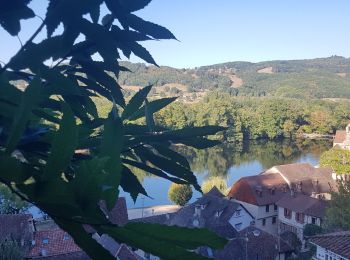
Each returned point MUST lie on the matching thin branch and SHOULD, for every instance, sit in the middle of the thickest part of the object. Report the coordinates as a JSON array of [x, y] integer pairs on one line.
[[25, 45]]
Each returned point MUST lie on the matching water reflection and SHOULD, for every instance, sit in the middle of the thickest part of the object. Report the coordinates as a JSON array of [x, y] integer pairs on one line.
[[233, 161]]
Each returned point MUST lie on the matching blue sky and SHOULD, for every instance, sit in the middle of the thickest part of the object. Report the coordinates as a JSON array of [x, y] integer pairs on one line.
[[229, 30]]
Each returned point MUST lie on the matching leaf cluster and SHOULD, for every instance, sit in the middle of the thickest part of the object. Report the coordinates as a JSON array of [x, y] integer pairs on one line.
[[58, 153]]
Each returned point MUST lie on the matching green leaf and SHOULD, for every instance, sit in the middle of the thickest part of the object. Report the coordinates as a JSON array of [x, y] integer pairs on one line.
[[166, 242], [135, 5], [131, 184], [153, 106], [111, 147], [63, 145], [168, 166], [142, 53], [11, 12], [153, 171], [36, 53], [95, 14], [172, 155], [30, 99], [135, 102], [12, 170], [148, 28], [84, 240], [191, 238]]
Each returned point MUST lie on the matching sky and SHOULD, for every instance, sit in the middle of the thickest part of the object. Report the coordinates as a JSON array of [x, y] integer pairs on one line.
[[211, 32]]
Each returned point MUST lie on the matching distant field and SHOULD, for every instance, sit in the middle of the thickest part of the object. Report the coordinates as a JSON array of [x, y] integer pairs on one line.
[[314, 78]]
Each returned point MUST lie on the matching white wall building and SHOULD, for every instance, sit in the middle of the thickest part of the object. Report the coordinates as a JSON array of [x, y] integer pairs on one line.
[[332, 246]]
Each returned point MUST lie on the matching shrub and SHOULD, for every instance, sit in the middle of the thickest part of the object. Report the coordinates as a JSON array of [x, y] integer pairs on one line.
[[180, 194], [311, 230]]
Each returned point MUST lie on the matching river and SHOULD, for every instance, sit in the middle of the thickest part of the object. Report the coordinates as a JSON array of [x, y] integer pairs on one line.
[[231, 162]]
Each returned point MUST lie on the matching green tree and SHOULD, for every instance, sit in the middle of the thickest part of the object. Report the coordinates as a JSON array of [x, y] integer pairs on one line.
[[70, 158], [215, 181], [338, 159], [10, 203], [338, 212], [9, 250], [312, 230], [180, 194]]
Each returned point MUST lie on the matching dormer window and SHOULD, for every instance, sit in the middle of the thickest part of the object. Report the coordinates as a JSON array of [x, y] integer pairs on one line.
[[66, 237], [238, 212]]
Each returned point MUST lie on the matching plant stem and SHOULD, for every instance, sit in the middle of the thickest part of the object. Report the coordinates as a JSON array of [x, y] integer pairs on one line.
[[25, 45]]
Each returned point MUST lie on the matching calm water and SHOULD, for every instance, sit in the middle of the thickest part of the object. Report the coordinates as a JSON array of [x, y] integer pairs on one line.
[[233, 161]]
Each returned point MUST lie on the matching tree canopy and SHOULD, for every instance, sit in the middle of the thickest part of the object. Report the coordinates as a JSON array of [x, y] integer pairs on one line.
[[59, 153], [338, 159]]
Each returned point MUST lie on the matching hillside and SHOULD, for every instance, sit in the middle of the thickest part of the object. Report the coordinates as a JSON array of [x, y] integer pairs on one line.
[[314, 78]]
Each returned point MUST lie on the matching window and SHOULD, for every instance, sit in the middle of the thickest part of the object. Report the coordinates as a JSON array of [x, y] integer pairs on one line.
[[275, 207], [274, 219], [66, 237], [287, 213], [263, 222], [267, 208], [313, 221], [299, 217], [238, 226], [238, 212]]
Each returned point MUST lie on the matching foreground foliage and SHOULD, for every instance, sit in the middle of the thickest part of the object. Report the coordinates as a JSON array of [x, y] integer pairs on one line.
[[10, 203], [57, 152], [338, 213], [338, 159]]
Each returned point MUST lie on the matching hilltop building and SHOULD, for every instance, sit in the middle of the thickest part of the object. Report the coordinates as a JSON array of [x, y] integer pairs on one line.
[[342, 138]]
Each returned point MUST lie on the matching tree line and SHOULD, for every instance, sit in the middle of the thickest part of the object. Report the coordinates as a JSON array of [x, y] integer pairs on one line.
[[258, 118]]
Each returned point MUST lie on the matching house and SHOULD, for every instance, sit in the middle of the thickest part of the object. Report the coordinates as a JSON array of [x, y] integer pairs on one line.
[[254, 243], [19, 227], [332, 246], [259, 194], [54, 244], [307, 179], [50, 242], [297, 210], [212, 211], [342, 138]]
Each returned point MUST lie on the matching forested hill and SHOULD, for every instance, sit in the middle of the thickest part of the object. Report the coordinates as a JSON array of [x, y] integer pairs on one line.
[[313, 78]]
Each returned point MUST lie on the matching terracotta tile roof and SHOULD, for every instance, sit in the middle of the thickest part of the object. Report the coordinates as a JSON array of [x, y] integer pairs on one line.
[[80, 255], [118, 215], [259, 190], [339, 137], [337, 242], [304, 204], [52, 243], [125, 253], [261, 244]]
